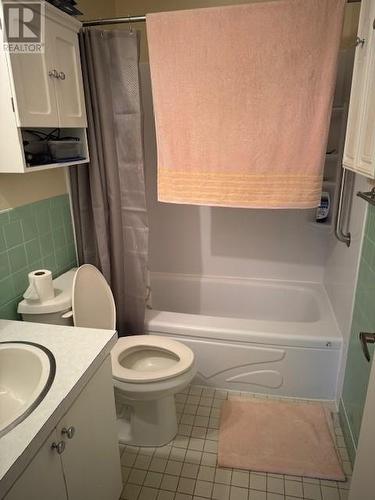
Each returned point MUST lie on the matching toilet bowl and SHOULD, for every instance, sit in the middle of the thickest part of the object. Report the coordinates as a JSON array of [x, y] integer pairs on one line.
[[148, 370]]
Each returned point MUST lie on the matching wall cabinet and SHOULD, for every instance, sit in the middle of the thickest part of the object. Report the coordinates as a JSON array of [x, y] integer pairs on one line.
[[80, 458], [359, 152], [48, 89], [42, 91]]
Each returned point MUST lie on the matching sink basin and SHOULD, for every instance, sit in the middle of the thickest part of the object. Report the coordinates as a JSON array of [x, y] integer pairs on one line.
[[26, 373]]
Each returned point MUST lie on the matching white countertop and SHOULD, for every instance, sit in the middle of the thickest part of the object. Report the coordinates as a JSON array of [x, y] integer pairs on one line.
[[78, 353]]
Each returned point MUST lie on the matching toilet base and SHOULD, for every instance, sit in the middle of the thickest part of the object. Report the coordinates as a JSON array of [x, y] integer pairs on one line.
[[147, 423]]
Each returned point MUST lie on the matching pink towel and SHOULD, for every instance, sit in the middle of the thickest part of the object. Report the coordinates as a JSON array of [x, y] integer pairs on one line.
[[242, 99]]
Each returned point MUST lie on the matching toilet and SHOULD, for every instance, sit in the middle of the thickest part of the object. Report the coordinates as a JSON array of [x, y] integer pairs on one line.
[[147, 370]]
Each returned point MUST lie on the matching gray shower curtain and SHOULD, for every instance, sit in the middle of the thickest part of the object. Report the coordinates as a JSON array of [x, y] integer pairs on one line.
[[108, 194]]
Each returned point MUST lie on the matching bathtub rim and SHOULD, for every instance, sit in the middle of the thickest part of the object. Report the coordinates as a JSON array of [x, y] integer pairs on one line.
[[323, 333], [243, 330]]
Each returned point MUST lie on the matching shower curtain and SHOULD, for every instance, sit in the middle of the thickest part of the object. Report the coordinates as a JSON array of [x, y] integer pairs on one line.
[[108, 194]]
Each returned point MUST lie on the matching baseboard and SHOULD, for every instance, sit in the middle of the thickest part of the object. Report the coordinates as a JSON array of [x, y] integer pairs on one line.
[[347, 431]]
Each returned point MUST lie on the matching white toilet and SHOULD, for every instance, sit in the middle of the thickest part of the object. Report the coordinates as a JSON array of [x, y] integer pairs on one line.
[[148, 370]]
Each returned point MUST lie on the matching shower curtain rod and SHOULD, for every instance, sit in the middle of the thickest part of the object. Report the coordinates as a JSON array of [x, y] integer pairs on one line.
[[136, 19], [114, 20]]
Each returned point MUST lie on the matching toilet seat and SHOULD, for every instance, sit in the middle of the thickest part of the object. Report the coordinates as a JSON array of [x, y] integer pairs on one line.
[[92, 300], [176, 358]]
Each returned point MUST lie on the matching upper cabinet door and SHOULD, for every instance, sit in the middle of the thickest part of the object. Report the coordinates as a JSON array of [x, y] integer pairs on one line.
[[34, 86], [69, 86], [359, 152], [366, 147]]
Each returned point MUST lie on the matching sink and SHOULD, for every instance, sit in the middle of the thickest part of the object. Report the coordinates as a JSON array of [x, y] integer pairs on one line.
[[26, 373]]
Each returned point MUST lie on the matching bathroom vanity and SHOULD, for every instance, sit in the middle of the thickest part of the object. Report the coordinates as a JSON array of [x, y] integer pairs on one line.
[[67, 447]]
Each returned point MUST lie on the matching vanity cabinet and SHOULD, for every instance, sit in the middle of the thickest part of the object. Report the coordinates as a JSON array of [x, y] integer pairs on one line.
[[80, 458], [359, 151], [42, 91]]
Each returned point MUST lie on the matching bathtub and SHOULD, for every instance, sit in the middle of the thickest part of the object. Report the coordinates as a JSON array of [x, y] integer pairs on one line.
[[272, 337]]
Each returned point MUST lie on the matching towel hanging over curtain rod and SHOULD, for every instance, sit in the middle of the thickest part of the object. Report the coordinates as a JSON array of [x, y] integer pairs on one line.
[[135, 19]]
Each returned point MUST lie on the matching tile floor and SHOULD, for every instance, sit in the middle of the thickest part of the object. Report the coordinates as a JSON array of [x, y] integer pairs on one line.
[[186, 469]]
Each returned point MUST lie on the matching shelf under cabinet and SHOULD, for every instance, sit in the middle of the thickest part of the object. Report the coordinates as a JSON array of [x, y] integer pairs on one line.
[[55, 165], [29, 138]]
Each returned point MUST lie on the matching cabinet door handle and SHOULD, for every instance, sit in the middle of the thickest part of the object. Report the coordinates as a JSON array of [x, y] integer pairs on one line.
[[68, 432], [61, 75], [59, 447], [360, 41]]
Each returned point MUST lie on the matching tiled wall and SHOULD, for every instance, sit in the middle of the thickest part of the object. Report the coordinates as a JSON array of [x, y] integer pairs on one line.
[[357, 368], [38, 235]]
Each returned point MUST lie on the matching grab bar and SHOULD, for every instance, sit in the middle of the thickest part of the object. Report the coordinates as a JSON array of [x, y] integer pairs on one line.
[[339, 233], [344, 237]]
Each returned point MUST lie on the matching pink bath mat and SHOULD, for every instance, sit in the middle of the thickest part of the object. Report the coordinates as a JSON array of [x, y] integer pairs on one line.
[[278, 437]]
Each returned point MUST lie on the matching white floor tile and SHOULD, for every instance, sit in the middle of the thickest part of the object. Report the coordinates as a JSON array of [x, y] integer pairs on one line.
[[165, 495], [330, 493], [206, 473], [153, 479], [130, 492], [142, 462], [158, 464], [148, 493], [258, 482], [223, 476], [193, 457], [137, 476], [209, 459], [275, 496], [186, 485], [220, 491], [169, 483], [293, 488], [203, 489], [275, 485], [173, 467], [190, 470], [237, 493], [183, 496], [257, 495], [240, 478], [311, 491]]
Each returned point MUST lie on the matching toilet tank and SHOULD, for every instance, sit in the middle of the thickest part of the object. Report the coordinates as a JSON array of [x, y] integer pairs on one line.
[[57, 311]]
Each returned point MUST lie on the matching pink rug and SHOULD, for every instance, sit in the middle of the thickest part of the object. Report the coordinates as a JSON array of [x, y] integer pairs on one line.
[[278, 437]]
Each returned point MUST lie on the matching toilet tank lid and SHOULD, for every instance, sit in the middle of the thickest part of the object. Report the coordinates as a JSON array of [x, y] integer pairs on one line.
[[61, 302]]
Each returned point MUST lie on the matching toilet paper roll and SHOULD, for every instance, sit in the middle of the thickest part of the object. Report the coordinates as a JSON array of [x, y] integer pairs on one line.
[[40, 286]]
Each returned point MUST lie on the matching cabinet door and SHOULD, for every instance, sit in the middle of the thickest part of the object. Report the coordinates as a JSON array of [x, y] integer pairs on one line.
[[34, 88], [366, 148], [350, 157], [69, 86], [91, 460], [43, 478]]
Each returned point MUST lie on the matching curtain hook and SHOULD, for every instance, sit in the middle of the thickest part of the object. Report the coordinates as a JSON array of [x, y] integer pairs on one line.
[[130, 25]]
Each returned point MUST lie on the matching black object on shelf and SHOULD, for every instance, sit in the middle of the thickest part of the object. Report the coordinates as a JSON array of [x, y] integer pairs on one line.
[[67, 6]]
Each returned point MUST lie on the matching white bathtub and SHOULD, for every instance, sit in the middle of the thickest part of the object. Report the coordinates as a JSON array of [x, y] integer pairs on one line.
[[270, 337]]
